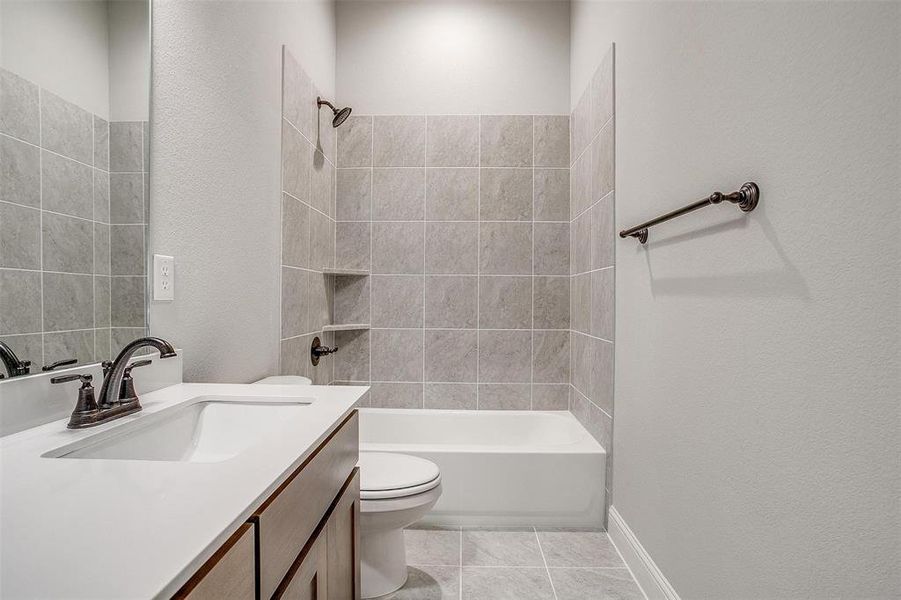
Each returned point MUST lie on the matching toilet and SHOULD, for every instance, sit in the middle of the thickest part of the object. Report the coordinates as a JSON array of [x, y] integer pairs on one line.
[[396, 490]]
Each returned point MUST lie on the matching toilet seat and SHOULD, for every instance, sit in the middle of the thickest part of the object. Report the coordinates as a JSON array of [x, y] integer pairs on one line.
[[386, 475]]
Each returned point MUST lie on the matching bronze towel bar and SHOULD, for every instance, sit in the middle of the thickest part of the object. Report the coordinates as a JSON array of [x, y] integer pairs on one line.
[[746, 198]]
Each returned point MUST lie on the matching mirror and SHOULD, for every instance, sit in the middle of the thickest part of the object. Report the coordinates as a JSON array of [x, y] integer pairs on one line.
[[74, 125]]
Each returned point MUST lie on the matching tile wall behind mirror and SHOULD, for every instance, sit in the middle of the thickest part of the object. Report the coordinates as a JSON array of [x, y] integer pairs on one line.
[[74, 132]]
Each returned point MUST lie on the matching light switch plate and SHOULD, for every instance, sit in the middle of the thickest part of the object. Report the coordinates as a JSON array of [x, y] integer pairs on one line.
[[163, 278]]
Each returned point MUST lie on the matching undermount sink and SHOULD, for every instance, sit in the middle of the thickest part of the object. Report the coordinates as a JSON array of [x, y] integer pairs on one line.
[[206, 429]]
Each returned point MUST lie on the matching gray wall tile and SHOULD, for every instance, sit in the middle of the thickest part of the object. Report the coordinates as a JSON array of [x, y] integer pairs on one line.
[[580, 302], [101, 196], [580, 366], [397, 248], [127, 301], [101, 249], [551, 248], [295, 232], [505, 302], [127, 256], [298, 100], [450, 355], [322, 241], [397, 300], [580, 252], [551, 141], [602, 167], [600, 377], [126, 147], [398, 194], [322, 294], [551, 198], [603, 234], [20, 237], [452, 194], [451, 301], [27, 347], [580, 125], [20, 108], [602, 94], [550, 356], [67, 186], [66, 129], [68, 302], [505, 356], [322, 183], [601, 321], [452, 248], [506, 141], [20, 302], [352, 362], [453, 141], [126, 198], [102, 339], [395, 395], [580, 185], [550, 396], [294, 356], [295, 302], [400, 358], [354, 194], [352, 245], [506, 195], [20, 172], [550, 301], [505, 396], [451, 396], [355, 142], [352, 299], [119, 336], [506, 248], [69, 344], [102, 302], [398, 141], [101, 143], [68, 244], [296, 163]]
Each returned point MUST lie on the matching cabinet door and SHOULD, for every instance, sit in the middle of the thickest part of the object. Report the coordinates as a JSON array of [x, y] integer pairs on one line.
[[343, 531], [309, 580], [229, 574]]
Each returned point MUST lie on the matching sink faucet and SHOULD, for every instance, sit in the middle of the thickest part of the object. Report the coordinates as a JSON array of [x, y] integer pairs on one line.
[[14, 366], [112, 383]]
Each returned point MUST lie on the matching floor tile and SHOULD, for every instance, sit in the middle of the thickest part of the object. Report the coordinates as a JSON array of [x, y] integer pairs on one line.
[[578, 549], [501, 548], [432, 547], [595, 584], [429, 583], [506, 583]]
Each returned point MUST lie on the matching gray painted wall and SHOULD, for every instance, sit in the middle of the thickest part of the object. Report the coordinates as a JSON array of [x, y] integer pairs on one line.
[[757, 448], [215, 181]]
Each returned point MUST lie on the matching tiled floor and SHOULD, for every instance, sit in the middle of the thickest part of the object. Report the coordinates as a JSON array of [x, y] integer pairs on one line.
[[514, 564]]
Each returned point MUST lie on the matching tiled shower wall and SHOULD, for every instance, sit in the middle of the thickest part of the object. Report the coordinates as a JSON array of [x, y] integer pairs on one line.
[[72, 220], [592, 234], [464, 223], [308, 223]]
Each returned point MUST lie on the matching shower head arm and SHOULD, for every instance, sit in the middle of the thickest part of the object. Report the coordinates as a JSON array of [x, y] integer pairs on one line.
[[320, 102]]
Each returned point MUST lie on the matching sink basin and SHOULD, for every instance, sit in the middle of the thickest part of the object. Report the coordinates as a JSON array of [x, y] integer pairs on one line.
[[206, 429]]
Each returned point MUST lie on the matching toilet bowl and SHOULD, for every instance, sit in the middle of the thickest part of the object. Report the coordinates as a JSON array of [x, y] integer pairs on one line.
[[396, 490], [285, 380]]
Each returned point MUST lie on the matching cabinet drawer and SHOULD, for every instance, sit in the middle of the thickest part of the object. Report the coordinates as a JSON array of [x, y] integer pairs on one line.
[[290, 516], [229, 574]]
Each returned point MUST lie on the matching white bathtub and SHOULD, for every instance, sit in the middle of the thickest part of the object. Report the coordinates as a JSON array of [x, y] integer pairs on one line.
[[499, 467]]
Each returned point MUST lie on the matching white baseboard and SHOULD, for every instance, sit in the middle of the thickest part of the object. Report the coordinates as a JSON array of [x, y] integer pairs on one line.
[[652, 581]]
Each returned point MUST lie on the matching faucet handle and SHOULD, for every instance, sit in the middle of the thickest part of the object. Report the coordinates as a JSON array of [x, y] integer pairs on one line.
[[139, 363], [86, 379], [59, 363], [127, 387]]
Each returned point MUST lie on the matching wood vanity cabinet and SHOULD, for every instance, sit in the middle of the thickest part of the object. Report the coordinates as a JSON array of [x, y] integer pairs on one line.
[[304, 540]]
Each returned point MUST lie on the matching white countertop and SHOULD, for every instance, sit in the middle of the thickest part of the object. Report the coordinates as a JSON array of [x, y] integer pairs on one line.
[[77, 528]]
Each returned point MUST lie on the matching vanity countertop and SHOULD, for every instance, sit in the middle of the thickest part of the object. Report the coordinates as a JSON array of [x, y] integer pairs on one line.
[[87, 528]]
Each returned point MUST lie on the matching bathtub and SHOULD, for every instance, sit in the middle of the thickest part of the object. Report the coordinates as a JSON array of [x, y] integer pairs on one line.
[[507, 468]]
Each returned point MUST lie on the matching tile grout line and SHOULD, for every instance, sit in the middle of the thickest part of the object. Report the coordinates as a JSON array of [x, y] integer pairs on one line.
[[544, 560], [41, 203]]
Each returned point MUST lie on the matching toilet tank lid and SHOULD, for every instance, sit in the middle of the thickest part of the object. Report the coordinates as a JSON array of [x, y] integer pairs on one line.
[[285, 380], [381, 471]]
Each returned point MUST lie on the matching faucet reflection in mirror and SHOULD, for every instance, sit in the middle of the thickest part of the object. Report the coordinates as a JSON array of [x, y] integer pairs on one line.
[[117, 394]]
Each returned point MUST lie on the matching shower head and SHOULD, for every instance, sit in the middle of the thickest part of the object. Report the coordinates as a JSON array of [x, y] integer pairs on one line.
[[340, 115]]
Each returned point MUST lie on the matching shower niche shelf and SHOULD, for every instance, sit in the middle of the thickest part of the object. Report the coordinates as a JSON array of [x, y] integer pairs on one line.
[[346, 327], [346, 272]]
